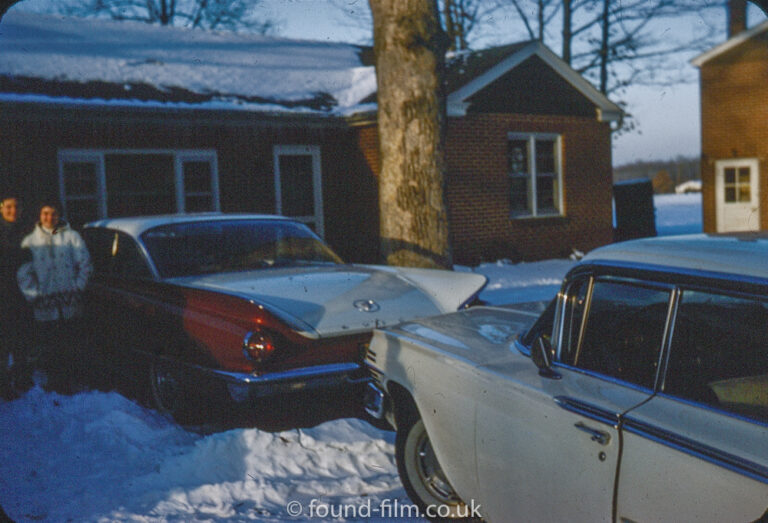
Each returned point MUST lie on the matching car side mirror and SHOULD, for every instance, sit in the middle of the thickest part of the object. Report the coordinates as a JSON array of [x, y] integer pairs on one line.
[[541, 354]]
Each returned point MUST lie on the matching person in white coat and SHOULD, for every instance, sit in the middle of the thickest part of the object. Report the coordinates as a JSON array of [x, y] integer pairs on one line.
[[53, 281]]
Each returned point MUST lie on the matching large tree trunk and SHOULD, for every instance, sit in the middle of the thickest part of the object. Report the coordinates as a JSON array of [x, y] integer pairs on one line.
[[409, 46]]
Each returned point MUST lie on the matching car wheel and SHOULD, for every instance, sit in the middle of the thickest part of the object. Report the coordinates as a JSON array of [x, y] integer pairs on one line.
[[170, 393], [422, 475]]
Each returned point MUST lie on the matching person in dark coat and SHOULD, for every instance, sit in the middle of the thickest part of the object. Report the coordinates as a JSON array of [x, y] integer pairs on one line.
[[15, 316]]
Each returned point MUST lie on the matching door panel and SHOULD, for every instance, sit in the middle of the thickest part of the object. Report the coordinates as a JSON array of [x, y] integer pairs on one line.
[[689, 461], [548, 448], [737, 195]]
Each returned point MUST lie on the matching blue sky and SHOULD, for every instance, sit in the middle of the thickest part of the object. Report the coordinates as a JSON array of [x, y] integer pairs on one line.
[[667, 118]]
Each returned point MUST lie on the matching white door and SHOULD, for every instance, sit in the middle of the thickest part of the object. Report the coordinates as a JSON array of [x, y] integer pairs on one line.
[[737, 196], [554, 439], [298, 184]]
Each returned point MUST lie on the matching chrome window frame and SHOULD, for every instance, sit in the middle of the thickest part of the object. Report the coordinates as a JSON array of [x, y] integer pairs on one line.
[[558, 334]]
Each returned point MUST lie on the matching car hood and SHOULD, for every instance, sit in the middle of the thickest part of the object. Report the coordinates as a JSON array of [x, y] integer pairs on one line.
[[322, 301], [478, 336]]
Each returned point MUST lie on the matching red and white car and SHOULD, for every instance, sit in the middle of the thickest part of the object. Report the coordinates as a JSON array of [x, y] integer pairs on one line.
[[235, 307]]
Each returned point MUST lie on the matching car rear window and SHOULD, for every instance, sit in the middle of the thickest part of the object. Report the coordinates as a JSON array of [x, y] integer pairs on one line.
[[206, 247]]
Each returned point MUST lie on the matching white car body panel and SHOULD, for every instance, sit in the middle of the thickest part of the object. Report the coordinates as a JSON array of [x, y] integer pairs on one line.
[[446, 379], [324, 297], [679, 477]]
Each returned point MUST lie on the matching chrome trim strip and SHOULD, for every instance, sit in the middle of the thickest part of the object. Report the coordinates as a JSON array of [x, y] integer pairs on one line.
[[304, 373], [588, 410], [710, 454], [666, 337], [604, 377]]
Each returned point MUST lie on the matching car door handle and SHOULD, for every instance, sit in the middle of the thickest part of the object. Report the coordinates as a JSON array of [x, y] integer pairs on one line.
[[601, 437]]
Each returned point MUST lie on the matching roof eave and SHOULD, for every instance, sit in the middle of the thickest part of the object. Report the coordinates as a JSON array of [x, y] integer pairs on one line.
[[729, 44], [607, 111]]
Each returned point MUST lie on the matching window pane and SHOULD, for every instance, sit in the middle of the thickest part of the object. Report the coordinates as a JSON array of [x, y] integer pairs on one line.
[[80, 179], [623, 333], [517, 156], [730, 194], [140, 184], [99, 243], [296, 185], [208, 247], [730, 175], [197, 177], [745, 193], [574, 313], [546, 194], [128, 261], [545, 156], [519, 195], [744, 175], [720, 353]]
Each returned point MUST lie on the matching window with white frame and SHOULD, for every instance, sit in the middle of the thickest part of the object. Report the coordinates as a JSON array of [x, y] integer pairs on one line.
[[97, 184], [535, 174]]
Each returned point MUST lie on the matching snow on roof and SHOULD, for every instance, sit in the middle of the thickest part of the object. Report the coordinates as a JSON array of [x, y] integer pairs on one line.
[[194, 65]]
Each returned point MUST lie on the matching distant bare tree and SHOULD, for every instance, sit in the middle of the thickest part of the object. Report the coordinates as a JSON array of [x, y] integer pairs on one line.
[[206, 14], [461, 18], [535, 15]]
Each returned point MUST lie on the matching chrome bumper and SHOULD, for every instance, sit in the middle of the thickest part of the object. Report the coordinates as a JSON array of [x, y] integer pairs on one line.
[[243, 386], [374, 400]]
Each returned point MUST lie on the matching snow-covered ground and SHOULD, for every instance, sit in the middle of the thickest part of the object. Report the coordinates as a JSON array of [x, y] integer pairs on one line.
[[678, 214], [98, 456]]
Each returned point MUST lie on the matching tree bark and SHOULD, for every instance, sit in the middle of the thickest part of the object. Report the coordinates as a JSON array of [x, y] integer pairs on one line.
[[409, 46]]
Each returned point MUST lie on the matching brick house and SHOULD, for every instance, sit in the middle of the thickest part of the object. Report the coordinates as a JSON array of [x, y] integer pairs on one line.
[[528, 140], [734, 128]]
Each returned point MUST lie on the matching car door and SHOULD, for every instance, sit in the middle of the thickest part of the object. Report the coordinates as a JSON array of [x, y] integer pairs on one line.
[[548, 447], [698, 451]]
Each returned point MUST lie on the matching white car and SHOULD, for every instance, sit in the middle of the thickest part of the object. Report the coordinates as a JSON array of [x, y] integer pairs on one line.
[[640, 394]]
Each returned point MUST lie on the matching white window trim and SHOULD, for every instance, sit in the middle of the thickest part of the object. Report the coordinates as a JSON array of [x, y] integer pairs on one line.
[[532, 172], [96, 156], [317, 182]]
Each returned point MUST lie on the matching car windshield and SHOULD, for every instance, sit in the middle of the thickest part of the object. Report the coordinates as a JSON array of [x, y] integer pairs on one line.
[[206, 247]]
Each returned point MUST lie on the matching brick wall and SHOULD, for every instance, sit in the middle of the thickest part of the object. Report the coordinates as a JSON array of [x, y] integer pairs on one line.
[[734, 118], [477, 187]]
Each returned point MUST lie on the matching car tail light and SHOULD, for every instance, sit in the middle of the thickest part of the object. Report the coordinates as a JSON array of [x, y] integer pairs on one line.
[[258, 346]]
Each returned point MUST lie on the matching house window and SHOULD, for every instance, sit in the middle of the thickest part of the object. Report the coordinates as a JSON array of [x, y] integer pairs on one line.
[[112, 183], [298, 184], [535, 175]]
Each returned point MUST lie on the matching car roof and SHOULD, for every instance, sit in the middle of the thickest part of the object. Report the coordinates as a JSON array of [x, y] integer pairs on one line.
[[744, 254], [136, 225]]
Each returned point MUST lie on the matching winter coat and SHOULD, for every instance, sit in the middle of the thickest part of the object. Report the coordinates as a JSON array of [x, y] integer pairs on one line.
[[10, 260], [53, 282]]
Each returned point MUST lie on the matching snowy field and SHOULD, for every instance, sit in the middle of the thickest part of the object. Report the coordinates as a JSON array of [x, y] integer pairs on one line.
[[100, 457]]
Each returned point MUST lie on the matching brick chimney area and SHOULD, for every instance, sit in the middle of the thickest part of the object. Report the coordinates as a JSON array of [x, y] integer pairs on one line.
[[737, 17]]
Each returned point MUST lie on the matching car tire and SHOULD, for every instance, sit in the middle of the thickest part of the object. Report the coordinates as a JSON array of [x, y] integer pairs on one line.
[[171, 394], [422, 475]]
